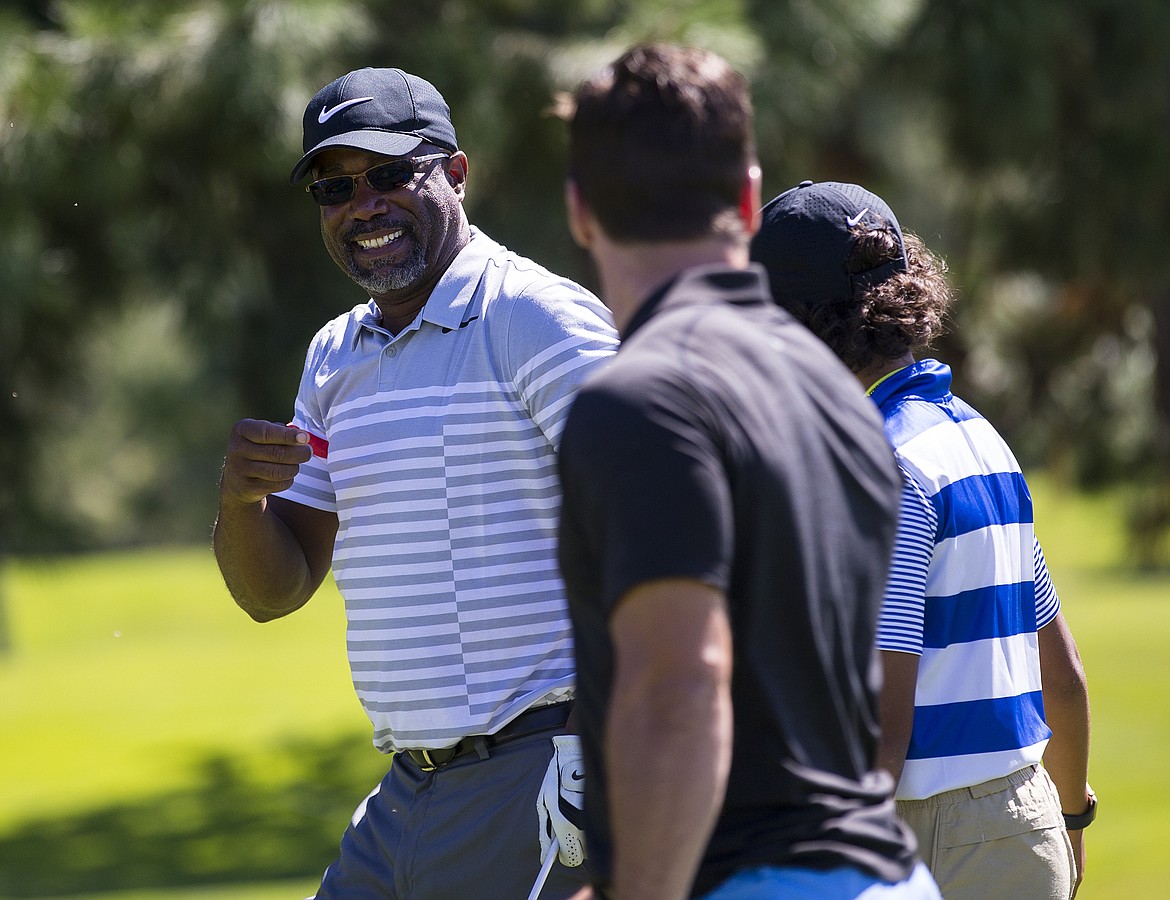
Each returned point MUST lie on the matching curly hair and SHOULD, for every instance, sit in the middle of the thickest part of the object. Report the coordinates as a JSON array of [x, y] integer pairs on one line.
[[906, 312]]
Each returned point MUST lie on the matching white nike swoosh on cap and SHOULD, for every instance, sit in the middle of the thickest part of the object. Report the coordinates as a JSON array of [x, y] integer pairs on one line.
[[851, 221], [326, 114]]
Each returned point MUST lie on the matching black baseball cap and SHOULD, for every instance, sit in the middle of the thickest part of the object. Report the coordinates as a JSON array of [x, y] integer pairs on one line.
[[384, 111], [806, 235]]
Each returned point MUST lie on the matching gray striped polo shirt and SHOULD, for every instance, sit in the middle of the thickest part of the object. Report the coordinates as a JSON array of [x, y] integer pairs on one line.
[[441, 469]]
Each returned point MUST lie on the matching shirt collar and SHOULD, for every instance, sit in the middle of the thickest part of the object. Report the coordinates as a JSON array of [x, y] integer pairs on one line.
[[449, 303], [702, 285], [927, 379], [873, 387]]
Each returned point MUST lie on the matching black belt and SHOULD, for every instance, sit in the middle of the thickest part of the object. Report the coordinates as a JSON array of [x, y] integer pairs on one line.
[[528, 722]]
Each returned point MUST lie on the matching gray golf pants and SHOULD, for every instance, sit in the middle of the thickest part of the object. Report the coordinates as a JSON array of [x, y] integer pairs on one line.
[[468, 829]]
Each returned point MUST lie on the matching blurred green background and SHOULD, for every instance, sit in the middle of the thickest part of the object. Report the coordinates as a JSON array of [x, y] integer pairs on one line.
[[160, 279]]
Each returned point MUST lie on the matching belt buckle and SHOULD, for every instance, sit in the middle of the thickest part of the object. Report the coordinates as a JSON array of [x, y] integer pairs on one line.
[[430, 764]]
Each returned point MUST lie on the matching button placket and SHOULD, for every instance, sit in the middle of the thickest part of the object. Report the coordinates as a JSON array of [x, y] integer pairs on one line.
[[387, 366]]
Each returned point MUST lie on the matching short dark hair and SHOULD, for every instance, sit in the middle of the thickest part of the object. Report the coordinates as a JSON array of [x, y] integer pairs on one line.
[[659, 142], [905, 312]]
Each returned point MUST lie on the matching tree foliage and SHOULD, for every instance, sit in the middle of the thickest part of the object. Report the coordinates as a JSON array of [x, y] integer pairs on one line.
[[1054, 113], [161, 278]]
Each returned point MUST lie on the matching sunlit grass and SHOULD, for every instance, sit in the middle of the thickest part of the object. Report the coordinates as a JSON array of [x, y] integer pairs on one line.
[[126, 670], [123, 669], [1121, 621]]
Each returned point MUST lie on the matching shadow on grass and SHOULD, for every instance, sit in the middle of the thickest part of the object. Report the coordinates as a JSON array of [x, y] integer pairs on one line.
[[233, 825]]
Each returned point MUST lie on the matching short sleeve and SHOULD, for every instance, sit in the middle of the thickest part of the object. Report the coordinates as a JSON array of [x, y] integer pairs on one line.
[[1047, 602], [903, 614], [644, 489], [312, 486], [554, 337]]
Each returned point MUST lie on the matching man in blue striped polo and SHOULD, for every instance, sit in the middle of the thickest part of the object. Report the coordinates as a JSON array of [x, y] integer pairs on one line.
[[983, 681], [420, 464]]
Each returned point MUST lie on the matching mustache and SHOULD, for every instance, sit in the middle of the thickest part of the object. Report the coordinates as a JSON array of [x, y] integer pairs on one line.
[[379, 223]]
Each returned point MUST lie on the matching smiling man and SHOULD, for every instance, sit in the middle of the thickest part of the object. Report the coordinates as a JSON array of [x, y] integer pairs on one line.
[[420, 465]]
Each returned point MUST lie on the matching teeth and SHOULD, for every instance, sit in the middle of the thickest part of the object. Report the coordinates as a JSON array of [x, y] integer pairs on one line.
[[375, 243]]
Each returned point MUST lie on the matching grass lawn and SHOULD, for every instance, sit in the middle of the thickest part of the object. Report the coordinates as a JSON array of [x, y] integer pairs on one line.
[[150, 731], [126, 669], [156, 743], [1121, 621]]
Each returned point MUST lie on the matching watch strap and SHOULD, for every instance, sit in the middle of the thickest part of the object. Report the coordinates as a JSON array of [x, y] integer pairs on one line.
[[1085, 819]]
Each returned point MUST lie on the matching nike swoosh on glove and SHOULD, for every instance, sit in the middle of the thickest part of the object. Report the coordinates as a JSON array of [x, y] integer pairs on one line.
[[561, 800]]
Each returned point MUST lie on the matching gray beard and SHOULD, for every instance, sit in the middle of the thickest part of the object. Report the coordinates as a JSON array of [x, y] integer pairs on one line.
[[393, 277]]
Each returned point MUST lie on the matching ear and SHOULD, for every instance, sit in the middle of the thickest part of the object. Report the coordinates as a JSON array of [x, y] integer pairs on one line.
[[580, 220], [749, 200], [456, 169]]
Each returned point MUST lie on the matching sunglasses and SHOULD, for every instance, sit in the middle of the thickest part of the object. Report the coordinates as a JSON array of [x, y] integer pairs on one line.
[[384, 177]]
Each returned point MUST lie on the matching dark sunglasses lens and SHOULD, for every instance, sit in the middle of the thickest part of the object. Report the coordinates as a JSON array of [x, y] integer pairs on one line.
[[331, 191], [392, 175]]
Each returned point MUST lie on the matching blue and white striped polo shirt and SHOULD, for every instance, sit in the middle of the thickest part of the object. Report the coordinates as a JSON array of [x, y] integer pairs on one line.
[[441, 468], [968, 589]]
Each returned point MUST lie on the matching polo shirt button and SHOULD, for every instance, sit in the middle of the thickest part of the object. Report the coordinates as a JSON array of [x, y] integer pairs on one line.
[[391, 351]]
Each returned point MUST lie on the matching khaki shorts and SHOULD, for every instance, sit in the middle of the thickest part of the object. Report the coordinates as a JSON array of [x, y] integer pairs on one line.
[[1002, 838]]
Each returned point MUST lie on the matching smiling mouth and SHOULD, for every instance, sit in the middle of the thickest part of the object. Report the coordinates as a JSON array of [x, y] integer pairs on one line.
[[379, 242]]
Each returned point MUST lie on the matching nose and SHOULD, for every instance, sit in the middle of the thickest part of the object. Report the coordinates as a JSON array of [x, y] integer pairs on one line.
[[367, 201]]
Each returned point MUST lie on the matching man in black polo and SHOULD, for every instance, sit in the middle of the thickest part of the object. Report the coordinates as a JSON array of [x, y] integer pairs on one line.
[[726, 527]]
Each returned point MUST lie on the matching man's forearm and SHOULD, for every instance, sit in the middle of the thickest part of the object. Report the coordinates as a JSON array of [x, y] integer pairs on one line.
[[668, 734], [1066, 708], [261, 561], [1067, 755], [668, 758], [899, 683]]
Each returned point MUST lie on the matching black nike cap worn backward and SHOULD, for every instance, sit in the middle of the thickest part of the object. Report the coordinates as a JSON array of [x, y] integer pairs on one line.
[[385, 111], [806, 236]]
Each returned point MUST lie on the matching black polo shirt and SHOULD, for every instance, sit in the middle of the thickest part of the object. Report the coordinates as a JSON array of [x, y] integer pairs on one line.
[[727, 444]]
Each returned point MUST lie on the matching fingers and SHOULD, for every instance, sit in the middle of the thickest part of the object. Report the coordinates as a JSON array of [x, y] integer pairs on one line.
[[572, 849], [546, 800], [1077, 838], [262, 458]]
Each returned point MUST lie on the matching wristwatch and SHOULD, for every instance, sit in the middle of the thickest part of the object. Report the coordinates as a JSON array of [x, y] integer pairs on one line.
[[1085, 819]]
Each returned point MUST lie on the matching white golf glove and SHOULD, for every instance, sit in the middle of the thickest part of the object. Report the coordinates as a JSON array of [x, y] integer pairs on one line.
[[561, 799]]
